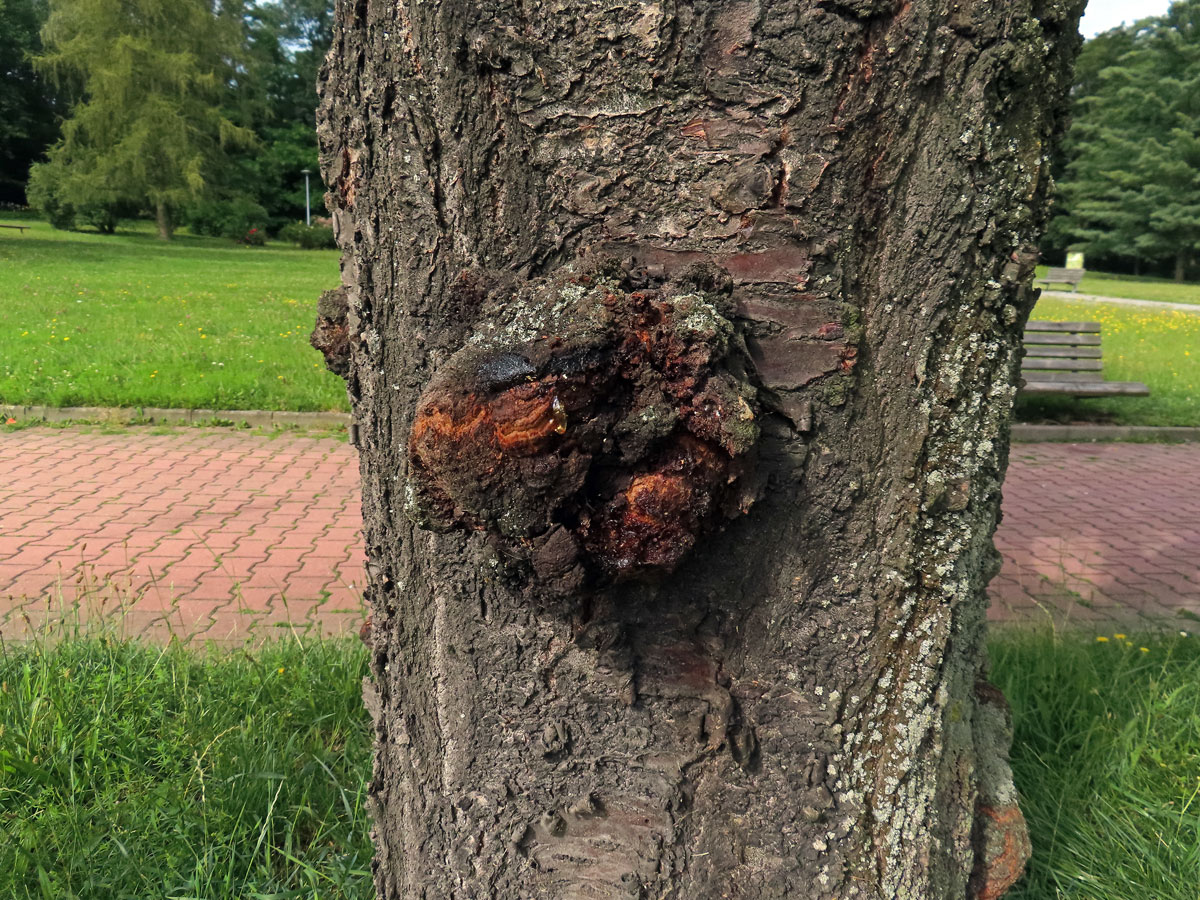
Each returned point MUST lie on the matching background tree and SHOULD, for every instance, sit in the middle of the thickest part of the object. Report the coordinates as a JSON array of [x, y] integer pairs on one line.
[[624, 280], [287, 42], [29, 106], [1131, 188], [149, 130]]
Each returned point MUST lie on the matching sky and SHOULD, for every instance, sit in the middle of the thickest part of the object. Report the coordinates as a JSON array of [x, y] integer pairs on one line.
[[1102, 15]]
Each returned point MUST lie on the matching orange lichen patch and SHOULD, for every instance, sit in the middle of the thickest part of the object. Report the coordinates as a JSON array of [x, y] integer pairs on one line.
[[849, 356], [654, 522], [437, 428], [527, 417], [1006, 850], [519, 421]]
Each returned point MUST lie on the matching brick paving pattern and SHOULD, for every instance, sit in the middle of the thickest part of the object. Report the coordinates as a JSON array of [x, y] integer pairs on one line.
[[215, 534], [1101, 534], [227, 536]]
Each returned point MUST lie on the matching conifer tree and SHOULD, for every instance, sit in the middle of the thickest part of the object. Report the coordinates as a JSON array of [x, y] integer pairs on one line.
[[150, 130], [1132, 185]]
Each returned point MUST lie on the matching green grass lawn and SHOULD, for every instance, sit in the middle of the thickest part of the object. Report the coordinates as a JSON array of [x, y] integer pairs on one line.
[[201, 323], [132, 771], [127, 320], [129, 771], [1106, 756], [1158, 347], [1132, 287]]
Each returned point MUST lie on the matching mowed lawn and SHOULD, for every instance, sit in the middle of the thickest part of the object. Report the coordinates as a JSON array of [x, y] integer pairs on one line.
[[128, 320], [1160, 348], [201, 323], [1131, 287]]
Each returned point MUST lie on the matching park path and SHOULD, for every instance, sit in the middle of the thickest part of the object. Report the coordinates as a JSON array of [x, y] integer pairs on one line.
[[1096, 534], [224, 535], [205, 532]]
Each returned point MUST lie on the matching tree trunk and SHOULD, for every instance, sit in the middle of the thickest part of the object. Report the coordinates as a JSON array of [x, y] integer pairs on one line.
[[162, 218], [1181, 264], [555, 399]]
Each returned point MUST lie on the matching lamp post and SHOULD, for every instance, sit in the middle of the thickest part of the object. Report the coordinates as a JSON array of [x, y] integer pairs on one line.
[[307, 204]]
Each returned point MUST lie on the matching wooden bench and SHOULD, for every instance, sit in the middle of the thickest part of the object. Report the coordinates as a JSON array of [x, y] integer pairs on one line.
[[18, 227], [1064, 358], [1063, 276]]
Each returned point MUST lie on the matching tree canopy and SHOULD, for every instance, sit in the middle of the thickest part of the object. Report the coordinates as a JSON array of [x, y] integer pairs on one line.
[[194, 110], [150, 130], [1131, 188]]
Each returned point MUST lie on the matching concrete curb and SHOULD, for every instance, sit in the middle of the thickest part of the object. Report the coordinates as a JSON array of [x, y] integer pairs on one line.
[[150, 415], [1031, 434]]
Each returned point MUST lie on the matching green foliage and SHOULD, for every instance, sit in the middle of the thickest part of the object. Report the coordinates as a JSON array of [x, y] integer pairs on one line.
[[227, 218], [127, 320], [309, 237], [1131, 189], [181, 106], [288, 42], [1106, 756], [273, 174], [150, 129], [132, 771], [253, 237], [29, 106]]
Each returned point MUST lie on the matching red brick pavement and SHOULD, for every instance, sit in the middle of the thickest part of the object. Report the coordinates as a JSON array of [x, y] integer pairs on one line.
[[225, 535], [207, 533], [1101, 534]]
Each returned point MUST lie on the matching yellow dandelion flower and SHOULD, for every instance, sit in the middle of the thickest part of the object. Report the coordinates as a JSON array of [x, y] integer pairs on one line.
[[1101, 639]]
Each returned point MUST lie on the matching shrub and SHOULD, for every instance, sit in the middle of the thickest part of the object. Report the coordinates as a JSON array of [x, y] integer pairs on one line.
[[69, 203], [104, 217], [255, 237], [309, 237], [234, 218]]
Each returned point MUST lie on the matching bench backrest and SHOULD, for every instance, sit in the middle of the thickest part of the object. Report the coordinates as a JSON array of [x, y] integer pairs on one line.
[[1064, 276], [1063, 351]]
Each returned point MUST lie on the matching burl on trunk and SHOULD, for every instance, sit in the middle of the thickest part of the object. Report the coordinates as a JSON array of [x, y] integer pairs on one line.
[[682, 340]]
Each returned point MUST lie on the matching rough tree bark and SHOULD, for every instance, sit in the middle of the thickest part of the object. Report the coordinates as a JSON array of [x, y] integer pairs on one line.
[[682, 340]]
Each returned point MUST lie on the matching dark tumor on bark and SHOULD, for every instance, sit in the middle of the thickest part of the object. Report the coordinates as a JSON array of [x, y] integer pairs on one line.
[[596, 428], [330, 335]]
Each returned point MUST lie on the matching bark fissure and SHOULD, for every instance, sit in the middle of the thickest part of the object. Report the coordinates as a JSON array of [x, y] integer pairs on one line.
[[795, 709]]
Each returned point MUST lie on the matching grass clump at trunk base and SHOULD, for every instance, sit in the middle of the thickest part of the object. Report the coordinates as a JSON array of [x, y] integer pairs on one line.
[[1106, 755], [128, 770]]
